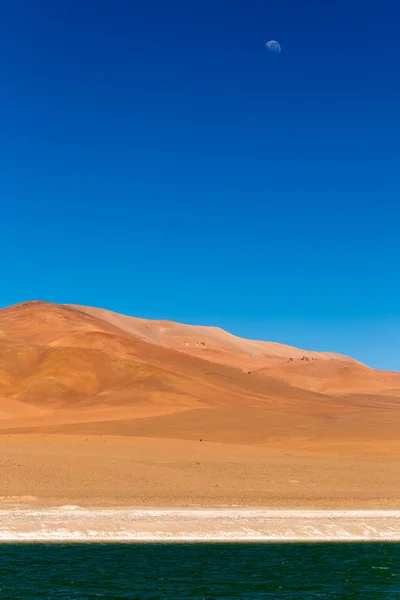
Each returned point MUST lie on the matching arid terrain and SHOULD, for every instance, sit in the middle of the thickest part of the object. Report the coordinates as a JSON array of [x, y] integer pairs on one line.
[[101, 409]]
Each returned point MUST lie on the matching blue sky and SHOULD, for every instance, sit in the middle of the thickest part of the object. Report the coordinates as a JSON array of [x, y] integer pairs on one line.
[[158, 161]]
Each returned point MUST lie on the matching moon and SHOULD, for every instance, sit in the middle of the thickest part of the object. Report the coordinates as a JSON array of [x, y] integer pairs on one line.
[[273, 46]]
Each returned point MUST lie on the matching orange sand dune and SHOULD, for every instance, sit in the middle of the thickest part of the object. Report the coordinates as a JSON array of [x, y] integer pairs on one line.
[[70, 372]]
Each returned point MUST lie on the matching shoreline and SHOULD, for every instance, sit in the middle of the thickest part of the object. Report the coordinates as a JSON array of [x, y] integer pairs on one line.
[[68, 524]]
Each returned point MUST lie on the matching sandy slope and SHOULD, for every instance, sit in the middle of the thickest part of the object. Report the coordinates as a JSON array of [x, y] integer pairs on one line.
[[334, 377], [76, 373], [211, 343]]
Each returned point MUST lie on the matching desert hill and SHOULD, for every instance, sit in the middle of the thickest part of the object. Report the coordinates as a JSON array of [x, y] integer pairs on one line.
[[99, 408], [79, 369]]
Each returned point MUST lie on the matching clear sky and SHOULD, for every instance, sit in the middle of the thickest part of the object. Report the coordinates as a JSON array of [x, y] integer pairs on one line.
[[157, 160]]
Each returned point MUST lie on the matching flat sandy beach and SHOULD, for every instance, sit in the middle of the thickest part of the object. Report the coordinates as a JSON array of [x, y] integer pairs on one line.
[[65, 488], [75, 524]]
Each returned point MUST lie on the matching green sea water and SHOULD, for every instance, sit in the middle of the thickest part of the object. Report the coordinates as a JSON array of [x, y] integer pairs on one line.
[[200, 571]]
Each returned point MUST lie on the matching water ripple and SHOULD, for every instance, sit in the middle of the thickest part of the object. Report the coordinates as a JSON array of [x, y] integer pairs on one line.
[[200, 571]]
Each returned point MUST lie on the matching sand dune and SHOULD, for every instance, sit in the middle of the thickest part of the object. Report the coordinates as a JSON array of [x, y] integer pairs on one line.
[[72, 372]]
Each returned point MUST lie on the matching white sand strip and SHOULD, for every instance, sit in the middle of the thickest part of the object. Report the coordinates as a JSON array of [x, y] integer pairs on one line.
[[74, 524]]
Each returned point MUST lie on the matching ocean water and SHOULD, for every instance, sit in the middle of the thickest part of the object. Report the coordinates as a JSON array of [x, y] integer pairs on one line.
[[200, 571]]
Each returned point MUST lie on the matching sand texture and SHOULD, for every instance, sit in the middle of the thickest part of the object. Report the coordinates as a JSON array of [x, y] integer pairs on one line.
[[51, 470]]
